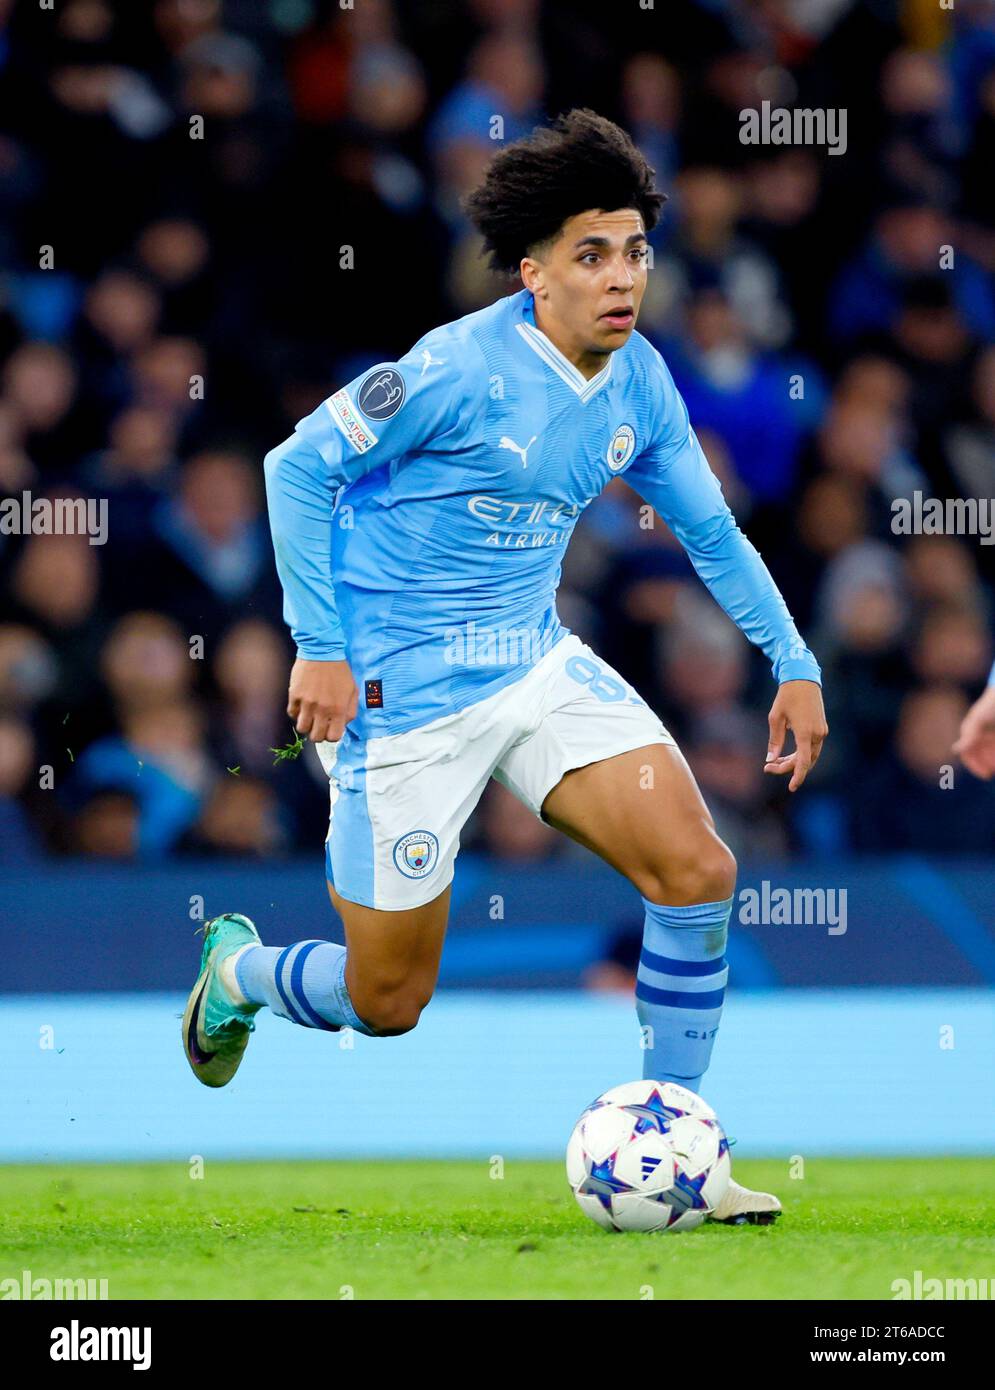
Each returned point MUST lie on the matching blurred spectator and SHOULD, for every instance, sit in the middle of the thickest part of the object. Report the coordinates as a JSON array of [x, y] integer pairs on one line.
[[903, 804], [651, 103], [726, 752], [708, 252], [498, 102], [785, 220], [39, 386], [106, 826], [905, 248], [940, 569], [146, 664], [250, 670], [20, 840], [249, 720], [969, 444], [209, 550], [28, 668], [239, 819], [952, 645], [175, 251], [134, 470], [55, 587], [704, 661], [831, 518], [730, 388], [920, 146], [863, 621], [161, 761], [120, 314]]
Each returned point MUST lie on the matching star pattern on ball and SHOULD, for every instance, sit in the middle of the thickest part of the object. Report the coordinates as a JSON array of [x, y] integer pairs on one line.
[[598, 1104], [685, 1195], [653, 1114], [603, 1182]]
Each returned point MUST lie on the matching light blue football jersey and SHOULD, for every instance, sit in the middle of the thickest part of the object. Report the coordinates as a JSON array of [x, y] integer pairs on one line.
[[421, 513]]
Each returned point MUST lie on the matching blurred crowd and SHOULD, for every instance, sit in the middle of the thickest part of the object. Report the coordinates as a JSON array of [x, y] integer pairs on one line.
[[212, 214]]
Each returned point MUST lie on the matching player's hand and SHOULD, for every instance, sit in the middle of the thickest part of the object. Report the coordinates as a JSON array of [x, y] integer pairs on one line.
[[322, 699], [798, 707], [976, 745]]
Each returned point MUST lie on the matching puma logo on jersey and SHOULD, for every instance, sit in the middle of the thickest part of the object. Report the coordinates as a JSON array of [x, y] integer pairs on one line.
[[506, 443], [427, 360]]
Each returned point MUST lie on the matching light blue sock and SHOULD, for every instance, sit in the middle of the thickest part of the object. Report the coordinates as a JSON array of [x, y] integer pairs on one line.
[[304, 982], [680, 987]]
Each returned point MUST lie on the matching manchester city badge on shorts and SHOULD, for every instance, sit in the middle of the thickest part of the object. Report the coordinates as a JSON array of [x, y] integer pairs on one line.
[[416, 854], [621, 448]]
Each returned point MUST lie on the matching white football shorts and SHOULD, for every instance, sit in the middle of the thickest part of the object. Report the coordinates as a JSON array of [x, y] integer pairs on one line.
[[400, 801]]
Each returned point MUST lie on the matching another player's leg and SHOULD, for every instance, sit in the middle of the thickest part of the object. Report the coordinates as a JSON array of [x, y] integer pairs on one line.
[[378, 983], [643, 813]]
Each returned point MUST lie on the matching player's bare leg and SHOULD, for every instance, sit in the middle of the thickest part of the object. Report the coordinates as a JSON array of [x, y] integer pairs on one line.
[[642, 812], [392, 960]]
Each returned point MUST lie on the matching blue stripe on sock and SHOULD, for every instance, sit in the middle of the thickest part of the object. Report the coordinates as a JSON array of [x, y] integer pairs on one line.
[[278, 972], [692, 987], [667, 965], [679, 999], [297, 985]]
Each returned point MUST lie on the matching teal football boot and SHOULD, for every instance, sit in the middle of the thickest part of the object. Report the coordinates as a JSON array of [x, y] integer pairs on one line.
[[216, 1031]]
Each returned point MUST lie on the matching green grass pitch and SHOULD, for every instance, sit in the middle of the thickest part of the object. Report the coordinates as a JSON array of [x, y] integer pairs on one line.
[[410, 1230]]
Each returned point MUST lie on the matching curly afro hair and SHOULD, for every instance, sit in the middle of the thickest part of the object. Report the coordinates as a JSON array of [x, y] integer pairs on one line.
[[581, 161]]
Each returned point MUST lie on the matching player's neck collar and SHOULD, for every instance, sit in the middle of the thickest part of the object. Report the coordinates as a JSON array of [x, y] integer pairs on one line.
[[546, 349]]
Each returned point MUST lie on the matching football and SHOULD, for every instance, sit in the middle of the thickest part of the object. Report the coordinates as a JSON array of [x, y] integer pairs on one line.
[[648, 1156]]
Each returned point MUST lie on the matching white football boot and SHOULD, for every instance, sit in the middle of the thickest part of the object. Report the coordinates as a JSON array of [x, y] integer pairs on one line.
[[741, 1207]]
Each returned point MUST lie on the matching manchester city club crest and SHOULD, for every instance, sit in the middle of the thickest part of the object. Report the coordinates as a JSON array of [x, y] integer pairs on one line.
[[621, 448], [416, 854]]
